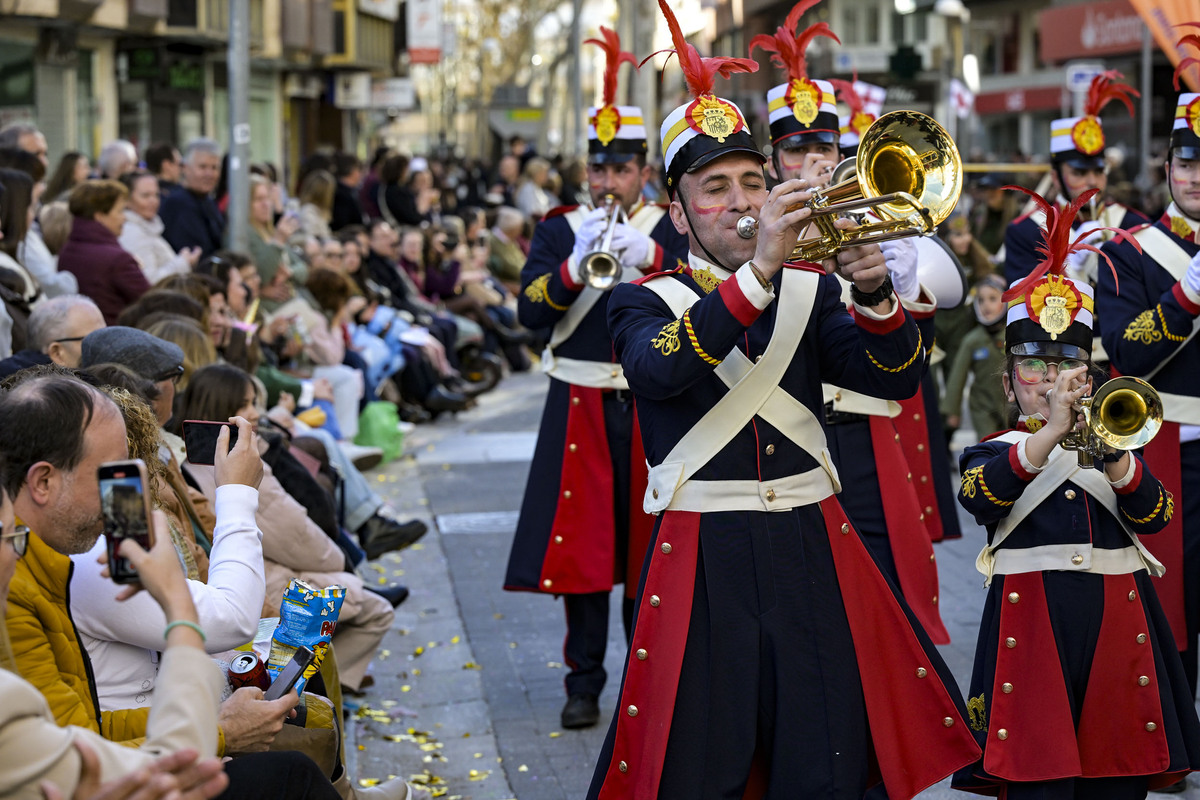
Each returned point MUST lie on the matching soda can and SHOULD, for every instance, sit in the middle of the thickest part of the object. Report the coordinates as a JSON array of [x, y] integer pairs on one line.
[[247, 669]]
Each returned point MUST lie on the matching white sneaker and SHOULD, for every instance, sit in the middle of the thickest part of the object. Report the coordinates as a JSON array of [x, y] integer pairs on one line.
[[406, 427], [362, 457]]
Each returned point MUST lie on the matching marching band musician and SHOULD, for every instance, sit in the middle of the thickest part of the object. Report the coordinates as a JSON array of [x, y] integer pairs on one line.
[[580, 529], [864, 442], [1077, 162], [1150, 309], [757, 594], [1077, 690]]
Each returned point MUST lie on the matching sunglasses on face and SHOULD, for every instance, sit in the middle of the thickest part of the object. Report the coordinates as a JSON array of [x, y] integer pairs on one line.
[[1034, 370], [19, 538]]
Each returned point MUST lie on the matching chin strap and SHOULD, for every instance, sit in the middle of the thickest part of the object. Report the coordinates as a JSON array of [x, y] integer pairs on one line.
[[696, 234]]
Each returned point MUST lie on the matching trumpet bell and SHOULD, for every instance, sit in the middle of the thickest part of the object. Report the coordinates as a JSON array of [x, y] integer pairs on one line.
[[1125, 413], [908, 152], [601, 270]]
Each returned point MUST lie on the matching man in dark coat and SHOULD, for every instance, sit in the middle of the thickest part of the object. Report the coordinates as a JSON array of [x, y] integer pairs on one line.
[[190, 215]]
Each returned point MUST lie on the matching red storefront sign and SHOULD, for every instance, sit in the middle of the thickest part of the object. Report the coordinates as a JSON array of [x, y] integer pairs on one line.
[[1014, 101], [1090, 30]]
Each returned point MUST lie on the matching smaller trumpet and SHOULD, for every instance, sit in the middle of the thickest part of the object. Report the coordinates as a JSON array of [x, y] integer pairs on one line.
[[1125, 413], [600, 267]]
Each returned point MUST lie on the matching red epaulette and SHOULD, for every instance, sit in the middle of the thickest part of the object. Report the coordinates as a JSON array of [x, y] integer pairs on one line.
[[991, 436], [1137, 228], [558, 211], [678, 269]]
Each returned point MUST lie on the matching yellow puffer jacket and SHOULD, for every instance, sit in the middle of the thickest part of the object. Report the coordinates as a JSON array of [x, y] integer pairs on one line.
[[48, 652]]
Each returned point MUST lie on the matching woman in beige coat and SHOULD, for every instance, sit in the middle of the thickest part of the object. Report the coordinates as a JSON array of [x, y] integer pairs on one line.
[[293, 545]]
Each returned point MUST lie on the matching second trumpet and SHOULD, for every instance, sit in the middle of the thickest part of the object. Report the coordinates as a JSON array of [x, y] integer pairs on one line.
[[600, 267]]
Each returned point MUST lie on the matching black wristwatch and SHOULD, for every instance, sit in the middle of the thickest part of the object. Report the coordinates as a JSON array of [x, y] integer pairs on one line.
[[1113, 457], [874, 298]]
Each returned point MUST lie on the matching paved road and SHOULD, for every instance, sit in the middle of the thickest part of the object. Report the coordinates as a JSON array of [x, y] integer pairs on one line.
[[470, 680]]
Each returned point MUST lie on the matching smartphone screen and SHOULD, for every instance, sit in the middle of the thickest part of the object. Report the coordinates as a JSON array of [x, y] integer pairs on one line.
[[200, 439], [125, 506], [289, 675]]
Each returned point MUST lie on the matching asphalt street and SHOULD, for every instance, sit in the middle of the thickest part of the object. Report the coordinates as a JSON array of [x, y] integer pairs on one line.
[[470, 680]]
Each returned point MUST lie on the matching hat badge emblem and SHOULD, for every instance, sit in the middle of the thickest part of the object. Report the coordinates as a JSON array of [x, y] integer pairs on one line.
[[607, 122], [714, 118], [805, 99], [1055, 316]]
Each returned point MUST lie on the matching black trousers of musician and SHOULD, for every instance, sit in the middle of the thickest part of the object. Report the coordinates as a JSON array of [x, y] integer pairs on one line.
[[769, 669], [1190, 472], [587, 614], [849, 438], [1132, 787]]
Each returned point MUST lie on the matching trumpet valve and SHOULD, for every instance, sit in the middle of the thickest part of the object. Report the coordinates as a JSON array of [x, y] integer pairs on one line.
[[747, 227]]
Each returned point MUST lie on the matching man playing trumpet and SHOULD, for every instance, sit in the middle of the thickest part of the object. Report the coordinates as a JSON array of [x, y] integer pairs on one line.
[[581, 529], [758, 594]]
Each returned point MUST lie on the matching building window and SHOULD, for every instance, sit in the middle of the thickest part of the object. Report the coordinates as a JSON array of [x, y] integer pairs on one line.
[[16, 76]]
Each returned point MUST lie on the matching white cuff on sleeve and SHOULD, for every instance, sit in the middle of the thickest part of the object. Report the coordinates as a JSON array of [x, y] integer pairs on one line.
[[1125, 479], [869, 314], [1024, 459], [753, 291]]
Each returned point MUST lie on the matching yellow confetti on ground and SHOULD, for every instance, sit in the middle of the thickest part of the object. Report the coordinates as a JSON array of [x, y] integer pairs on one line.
[[555, 734], [431, 645], [406, 688], [362, 747], [477, 775], [497, 616], [512, 645], [368, 782], [381, 478], [416, 672], [417, 546], [388, 703], [471, 665], [522, 768], [383, 580], [378, 568], [418, 651], [554, 664], [467, 735], [479, 755]]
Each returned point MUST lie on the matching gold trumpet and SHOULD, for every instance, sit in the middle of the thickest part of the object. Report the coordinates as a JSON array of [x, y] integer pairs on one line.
[[908, 171], [1125, 413], [600, 267]]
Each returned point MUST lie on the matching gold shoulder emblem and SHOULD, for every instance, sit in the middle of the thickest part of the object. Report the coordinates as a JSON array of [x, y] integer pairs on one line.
[[667, 341], [536, 290], [706, 279], [1180, 228], [1142, 329]]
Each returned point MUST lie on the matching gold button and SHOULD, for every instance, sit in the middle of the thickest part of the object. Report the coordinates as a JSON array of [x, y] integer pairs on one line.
[[757, 359], [558, 540], [631, 711], [1013, 597], [1132, 596], [623, 767], [572, 447], [1077, 559], [1143, 681], [908, 477], [666, 547], [920, 448], [928, 509], [1006, 688], [924, 479], [897, 437], [546, 583], [932, 558], [948, 722], [567, 494], [922, 518], [1010, 643], [935, 599], [916, 417], [1002, 734], [845, 528], [1141, 638], [654, 600], [1150, 726], [770, 450], [770, 495], [641, 654], [574, 401], [1069, 494], [654, 493], [838, 397], [922, 672], [614, 373]]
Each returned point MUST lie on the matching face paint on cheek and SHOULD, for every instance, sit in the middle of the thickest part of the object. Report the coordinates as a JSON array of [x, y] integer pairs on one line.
[[709, 210]]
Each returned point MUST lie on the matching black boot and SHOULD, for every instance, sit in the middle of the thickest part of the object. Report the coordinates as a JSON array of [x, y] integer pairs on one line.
[[581, 711], [380, 535], [441, 399]]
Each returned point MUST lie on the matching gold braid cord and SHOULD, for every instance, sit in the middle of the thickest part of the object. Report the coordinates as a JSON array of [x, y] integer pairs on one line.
[[538, 292], [903, 366], [968, 486], [1164, 500], [1163, 321], [691, 334]]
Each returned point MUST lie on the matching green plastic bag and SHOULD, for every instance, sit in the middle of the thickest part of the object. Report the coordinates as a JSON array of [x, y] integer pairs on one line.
[[379, 426]]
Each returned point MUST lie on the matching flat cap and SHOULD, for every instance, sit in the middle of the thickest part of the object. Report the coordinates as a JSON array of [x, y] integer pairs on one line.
[[148, 356]]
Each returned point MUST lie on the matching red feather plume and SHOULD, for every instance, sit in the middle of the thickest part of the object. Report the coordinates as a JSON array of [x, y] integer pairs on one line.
[[699, 72], [1104, 89], [1057, 242], [849, 94], [787, 47], [1191, 39], [614, 57]]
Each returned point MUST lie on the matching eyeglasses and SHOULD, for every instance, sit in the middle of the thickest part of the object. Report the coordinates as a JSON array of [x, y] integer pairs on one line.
[[19, 537], [1034, 370], [172, 375], [69, 339]]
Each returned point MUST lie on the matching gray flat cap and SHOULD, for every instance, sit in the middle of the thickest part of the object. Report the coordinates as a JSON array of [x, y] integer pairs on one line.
[[148, 356]]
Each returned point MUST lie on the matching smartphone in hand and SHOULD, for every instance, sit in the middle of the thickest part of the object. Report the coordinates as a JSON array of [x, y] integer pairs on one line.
[[286, 680], [125, 506], [200, 439]]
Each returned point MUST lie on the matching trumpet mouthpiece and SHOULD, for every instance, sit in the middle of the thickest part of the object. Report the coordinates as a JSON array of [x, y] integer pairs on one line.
[[747, 227]]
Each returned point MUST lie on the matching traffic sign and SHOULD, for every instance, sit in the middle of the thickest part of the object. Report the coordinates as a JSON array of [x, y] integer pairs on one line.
[[1080, 73]]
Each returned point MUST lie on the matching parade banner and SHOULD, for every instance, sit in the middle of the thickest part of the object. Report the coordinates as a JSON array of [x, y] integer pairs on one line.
[[1163, 18], [424, 31]]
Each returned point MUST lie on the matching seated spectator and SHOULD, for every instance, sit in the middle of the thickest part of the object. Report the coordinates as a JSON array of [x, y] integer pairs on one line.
[[106, 272], [189, 214], [316, 204], [116, 158], [267, 244], [56, 331], [163, 301], [164, 162], [32, 252], [26, 137], [506, 258], [534, 197], [73, 169], [142, 235], [347, 169], [54, 222], [16, 204], [293, 545]]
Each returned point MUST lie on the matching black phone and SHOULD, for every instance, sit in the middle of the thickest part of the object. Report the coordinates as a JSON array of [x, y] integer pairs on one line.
[[200, 439], [286, 680], [125, 506]]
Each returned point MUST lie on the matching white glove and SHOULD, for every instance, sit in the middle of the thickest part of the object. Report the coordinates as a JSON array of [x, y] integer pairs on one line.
[[1093, 236], [1080, 265], [901, 258], [587, 237], [1191, 279], [635, 248]]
